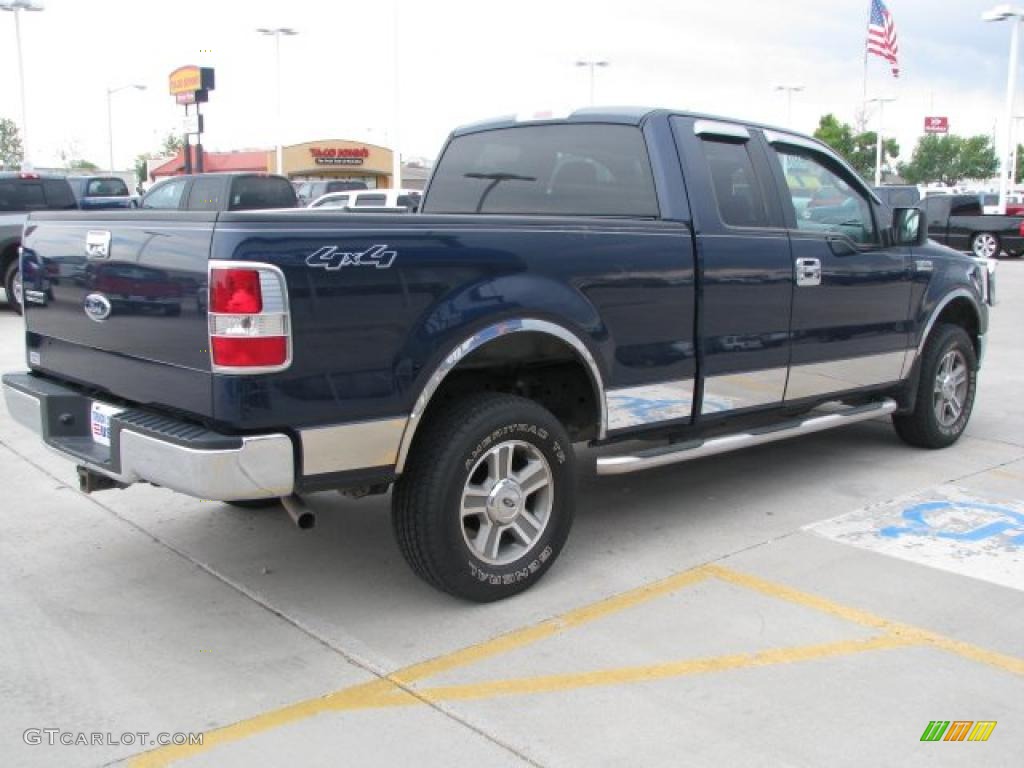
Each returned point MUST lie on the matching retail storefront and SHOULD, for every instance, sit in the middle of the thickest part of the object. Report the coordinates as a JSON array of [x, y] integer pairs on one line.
[[336, 159], [327, 159]]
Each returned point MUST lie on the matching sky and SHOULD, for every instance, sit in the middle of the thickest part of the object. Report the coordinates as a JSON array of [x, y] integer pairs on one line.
[[461, 61]]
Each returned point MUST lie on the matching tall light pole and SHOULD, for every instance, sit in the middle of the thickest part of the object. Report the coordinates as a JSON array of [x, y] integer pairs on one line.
[[881, 101], [592, 65], [16, 6], [276, 33], [110, 119], [790, 90], [396, 155], [1006, 12]]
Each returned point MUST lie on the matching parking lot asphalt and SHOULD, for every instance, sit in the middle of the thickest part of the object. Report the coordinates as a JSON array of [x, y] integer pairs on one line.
[[814, 602]]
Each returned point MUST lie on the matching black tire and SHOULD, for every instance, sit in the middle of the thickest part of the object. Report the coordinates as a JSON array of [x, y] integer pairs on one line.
[[449, 458], [10, 276], [922, 427], [982, 242], [254, 503]]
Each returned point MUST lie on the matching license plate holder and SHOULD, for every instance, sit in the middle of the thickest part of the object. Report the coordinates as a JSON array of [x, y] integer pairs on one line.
[[100, 415]]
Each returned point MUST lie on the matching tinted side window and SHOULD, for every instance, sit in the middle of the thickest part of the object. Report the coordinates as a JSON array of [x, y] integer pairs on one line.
[[205, 194], [966, 206], [369, 200], [576, 170], [255, 192], [165, 195], [740, 203], [833, 205], [58, 194]]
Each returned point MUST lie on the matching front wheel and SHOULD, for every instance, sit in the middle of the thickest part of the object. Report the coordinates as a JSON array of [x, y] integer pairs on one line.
[[487, 497], [985, 245], [945, 394], [13, 286]]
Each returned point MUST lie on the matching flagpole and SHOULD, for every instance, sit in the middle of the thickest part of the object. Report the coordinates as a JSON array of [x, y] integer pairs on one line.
[[864, 96]]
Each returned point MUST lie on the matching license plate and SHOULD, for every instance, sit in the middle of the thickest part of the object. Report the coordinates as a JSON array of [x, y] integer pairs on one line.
[[100, 416]]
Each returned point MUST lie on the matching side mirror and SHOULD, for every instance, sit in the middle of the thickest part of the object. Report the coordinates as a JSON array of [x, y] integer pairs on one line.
[[909, 227]]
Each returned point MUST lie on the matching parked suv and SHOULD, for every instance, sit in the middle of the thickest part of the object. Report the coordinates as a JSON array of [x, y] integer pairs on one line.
[[220, 192], [308, 191], [98, 192], [19, 194], [368, 200]]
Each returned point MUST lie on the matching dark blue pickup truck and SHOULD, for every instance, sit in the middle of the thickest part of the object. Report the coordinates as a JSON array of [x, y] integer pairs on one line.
[[611, 276]]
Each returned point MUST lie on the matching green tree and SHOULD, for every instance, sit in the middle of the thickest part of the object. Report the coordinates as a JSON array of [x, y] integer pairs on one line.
[[83, 165], [172, 145], [11, 150], [141, 162], [950, 159], [858, 149]]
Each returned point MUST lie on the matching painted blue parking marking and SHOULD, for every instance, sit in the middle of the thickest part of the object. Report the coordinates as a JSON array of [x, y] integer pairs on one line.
[[919, 524]]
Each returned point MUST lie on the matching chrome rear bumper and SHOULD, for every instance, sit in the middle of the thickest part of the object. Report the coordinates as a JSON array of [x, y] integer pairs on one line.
[[148, 447]]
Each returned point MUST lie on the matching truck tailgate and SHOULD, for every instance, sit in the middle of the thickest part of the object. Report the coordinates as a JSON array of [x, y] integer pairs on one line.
[[117, 301]]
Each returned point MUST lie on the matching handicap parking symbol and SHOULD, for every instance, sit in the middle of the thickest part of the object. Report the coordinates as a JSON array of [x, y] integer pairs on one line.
[[960, 521]]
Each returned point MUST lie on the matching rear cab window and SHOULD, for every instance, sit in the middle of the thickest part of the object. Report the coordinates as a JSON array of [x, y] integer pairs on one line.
[[256, 192], [106, 188], [35, 194], [564, 169]]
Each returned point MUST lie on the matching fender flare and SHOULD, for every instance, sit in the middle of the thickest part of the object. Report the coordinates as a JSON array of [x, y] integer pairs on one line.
[[479, 339]]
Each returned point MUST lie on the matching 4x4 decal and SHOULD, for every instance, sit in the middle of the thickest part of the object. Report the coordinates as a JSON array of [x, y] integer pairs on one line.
[[331, 257]]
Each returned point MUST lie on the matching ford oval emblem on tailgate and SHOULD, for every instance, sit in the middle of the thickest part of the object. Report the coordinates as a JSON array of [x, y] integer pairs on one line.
[[97, 307]]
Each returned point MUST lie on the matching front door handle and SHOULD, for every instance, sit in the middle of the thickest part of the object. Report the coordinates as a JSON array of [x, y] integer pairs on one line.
[[808, 272]]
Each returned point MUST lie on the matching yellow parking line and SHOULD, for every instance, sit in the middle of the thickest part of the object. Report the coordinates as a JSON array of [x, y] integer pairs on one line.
[[913, 634], [643, 674], [393, 690], [521, 637], [388, 691]]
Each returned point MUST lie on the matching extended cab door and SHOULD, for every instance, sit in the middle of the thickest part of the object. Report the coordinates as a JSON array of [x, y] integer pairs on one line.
[[851, 286], [746, 287]]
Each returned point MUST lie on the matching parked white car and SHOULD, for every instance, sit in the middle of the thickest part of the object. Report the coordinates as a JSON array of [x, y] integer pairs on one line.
[[370, 199]]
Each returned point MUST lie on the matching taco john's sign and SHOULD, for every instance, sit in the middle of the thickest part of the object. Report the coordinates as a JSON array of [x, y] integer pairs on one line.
[[339, 155], [190, 79]]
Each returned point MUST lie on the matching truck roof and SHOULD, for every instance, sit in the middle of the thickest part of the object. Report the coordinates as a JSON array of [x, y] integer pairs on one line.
[[624, 115]]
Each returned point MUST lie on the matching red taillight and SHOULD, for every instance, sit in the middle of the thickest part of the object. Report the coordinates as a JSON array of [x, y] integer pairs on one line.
[[259, 352], [1020, 229], [28, 175], [248, 317], [235, 291]]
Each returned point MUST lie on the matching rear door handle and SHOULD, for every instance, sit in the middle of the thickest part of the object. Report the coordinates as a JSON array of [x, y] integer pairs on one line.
[[808, 272]]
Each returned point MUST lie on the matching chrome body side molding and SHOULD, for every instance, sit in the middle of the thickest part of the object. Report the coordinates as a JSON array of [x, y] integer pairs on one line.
[[356, 445], [674, 454], [733, 391], [649, 404], [477, 340], [815, 379]]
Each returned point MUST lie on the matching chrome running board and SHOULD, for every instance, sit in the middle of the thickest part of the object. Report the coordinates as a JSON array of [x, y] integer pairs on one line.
[[699, 449]]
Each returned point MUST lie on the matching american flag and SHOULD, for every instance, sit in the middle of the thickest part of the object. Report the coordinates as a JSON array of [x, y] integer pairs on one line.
[[882, 36]]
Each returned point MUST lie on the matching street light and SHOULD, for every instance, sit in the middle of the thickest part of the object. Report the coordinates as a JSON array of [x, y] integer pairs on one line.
[[110, 119], [790, 90], [592, 65], [1006, 12], [881, 101], [16, 6], [276, 33]]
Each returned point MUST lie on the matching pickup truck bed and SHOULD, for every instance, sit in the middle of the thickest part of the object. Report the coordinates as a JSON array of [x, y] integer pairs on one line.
[[613, 275]]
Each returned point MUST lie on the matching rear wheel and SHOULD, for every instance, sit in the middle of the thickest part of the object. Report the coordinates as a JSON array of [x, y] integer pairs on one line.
[[945, 395], [487, 497], [985, 245], [13, 286]]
